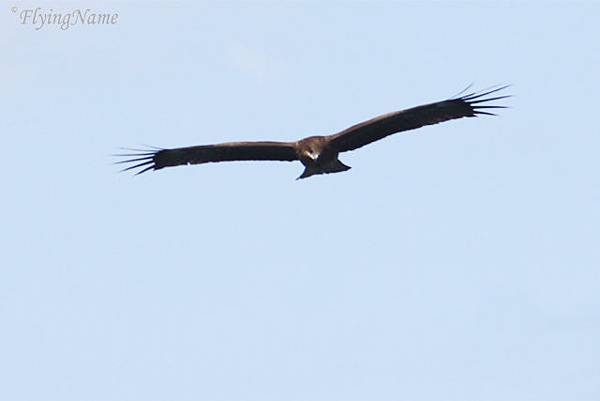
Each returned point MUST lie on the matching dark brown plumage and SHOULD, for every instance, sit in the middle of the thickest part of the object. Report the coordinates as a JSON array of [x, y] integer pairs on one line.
[[319, 154]]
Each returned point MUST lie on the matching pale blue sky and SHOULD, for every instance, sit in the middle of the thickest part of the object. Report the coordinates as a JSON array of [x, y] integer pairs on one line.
[[457, 262]]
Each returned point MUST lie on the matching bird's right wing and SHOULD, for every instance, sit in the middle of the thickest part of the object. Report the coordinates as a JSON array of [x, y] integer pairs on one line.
[[229, 151]]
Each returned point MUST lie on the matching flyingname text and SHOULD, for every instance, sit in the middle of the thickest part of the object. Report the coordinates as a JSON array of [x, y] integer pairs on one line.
[[41, 18]]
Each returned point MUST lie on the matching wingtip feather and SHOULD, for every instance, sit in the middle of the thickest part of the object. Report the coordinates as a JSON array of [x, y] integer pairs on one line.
[[145, 156], [477, 101], [484, 92]]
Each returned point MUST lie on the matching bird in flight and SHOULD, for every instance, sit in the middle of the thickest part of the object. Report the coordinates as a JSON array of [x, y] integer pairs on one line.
[[319, 154]]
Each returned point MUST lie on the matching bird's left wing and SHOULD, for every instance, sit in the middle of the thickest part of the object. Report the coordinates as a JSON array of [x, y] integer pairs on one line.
[[229, 151], [470, 105]]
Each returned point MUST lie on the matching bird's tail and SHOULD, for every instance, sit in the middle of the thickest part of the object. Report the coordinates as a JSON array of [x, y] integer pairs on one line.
[[335, 166]]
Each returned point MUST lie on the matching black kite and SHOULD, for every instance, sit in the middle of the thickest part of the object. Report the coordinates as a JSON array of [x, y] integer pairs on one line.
[[319, 154]]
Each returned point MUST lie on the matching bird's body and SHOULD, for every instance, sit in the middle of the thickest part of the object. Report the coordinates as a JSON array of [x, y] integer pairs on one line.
[[318, 157], [319, 154]]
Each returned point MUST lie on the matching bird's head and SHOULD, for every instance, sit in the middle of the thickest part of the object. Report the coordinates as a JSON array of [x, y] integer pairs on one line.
[[311, 148], [311, 153]]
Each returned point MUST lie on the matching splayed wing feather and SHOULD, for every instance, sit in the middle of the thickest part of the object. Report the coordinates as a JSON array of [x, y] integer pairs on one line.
[[133, 160], [144, 170], [138, 165]]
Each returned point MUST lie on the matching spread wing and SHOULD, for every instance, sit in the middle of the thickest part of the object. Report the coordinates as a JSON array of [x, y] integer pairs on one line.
[[470, 105], [223, 152]]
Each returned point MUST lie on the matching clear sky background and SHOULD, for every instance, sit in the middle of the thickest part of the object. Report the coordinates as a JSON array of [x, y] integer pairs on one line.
[[457, 262]]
